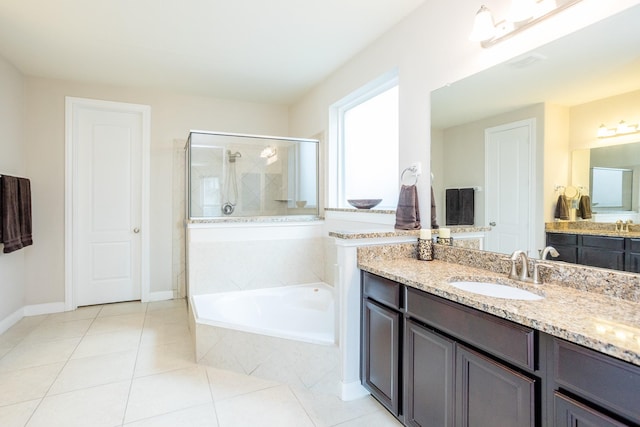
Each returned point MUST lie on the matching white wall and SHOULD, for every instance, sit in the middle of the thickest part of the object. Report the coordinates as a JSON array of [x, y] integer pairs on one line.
[[431, 48], [12, 162], [172, 116]]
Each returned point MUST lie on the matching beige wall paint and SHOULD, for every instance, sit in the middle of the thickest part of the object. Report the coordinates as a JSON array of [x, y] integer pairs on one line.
[[430, 48], [12, 162], [172, 116]]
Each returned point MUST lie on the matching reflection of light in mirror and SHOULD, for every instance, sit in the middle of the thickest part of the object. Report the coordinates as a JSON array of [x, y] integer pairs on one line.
[[617, 330], [622, 129]]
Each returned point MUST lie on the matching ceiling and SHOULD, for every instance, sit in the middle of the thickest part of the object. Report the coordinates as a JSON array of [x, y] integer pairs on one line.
[[254, 50], [599, 61]]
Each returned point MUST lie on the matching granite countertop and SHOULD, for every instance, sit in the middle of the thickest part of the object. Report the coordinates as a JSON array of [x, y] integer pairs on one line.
[[606, 324], [391, 232]]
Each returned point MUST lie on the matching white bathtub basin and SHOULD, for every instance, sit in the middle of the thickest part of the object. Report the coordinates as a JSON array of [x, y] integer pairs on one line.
[[495, 290]]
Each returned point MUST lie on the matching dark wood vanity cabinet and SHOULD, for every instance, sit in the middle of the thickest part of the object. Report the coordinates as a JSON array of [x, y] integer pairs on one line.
[[592, 388], [434, 362], [381, 340], [602, 251], [429, 364], [633, 255], [442, 380], [566, 245], [617, 253]]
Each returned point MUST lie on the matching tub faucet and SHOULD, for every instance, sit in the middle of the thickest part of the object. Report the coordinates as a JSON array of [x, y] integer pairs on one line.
[[535, 277], [524, 266]]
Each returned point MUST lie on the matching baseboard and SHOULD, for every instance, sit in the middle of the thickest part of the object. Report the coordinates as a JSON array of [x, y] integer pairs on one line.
[[37, 309], [160, 296], [11, 320], [353, 390]]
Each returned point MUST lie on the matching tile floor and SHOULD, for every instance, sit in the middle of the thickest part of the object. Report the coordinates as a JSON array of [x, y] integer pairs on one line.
[[132, 364]]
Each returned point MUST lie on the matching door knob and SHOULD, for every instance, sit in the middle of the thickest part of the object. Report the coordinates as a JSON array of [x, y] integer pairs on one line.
[[492, 223], [136, 230]]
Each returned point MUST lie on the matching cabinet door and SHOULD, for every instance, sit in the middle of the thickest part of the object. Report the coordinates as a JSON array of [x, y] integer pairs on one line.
[[598, 257], [429, 368], [570, 413], [381, 353], [566, 245], [632, 263], [489, 394]]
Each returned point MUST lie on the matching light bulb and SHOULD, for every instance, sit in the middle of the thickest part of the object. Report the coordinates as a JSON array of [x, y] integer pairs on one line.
[[483, 27]]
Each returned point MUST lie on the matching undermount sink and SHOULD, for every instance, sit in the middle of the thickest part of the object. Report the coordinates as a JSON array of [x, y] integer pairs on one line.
[[495, 290]]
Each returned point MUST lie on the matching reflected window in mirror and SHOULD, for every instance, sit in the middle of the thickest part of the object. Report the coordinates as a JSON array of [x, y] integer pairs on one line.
[[611, 188]]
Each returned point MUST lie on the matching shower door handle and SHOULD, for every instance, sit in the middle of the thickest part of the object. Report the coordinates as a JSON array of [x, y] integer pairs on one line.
[[136, 230]]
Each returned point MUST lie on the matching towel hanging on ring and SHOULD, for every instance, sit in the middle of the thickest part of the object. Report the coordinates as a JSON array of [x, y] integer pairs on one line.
[[408, 210]]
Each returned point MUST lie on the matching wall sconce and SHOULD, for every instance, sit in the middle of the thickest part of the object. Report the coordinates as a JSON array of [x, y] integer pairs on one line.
[[622, 129], [522, 15]]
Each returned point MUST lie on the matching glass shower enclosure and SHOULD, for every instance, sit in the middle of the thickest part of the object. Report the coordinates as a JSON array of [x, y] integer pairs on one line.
[[237, 175]]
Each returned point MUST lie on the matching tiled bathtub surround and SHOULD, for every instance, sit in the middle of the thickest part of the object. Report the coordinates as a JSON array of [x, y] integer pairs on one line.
[[593, 307], [311, 366], [239, 256]]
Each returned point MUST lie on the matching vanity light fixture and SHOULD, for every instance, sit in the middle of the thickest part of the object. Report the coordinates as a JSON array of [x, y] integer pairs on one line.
[[522, 15], [622, 129]]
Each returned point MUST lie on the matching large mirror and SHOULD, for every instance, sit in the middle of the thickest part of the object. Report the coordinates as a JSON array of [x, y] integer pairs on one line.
[[556, 97]]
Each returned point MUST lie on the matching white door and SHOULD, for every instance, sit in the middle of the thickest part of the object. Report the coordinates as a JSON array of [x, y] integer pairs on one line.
[[108, 219], [510, 198]]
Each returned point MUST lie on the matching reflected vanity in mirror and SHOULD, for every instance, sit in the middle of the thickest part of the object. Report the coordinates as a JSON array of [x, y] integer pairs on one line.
[[563, 92]]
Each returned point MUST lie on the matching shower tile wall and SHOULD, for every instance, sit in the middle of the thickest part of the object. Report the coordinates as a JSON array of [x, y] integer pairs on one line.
[[251, 193]]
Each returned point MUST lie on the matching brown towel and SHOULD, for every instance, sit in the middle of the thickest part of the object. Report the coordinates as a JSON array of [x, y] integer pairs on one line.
[[467, 206], [434, 219], [584, 207], [562, 209], [15, 213], [408, 212], [452, 203]]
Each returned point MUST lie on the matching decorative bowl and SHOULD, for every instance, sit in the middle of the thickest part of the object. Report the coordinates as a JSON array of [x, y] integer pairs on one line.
[[364, 203], [301, 203]]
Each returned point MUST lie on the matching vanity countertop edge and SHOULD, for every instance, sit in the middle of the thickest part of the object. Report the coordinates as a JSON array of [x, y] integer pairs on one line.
[[603, 323]]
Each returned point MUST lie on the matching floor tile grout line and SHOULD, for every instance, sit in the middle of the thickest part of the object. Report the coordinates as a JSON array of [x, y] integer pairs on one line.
[[135, 364], [304, 408], [213, 401], [46, 393]]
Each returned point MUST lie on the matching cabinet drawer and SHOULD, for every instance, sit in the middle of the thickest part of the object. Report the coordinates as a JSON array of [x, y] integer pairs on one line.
[[382, 290], [569, 413], [598, 378], [633, 245], [562, 239], [615, 243], [504, 339]]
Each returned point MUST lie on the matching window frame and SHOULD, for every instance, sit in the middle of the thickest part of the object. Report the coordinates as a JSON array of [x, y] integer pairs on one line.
[[336, 175]]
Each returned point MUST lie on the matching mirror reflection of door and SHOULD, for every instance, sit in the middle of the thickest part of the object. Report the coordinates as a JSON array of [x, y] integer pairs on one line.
[[509, 159]]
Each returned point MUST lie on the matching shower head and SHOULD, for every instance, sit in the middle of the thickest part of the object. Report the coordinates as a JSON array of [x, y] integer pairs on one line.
[[233, 156]]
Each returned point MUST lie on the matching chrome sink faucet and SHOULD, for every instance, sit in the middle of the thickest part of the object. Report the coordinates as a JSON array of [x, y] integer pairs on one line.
[[535, 277], [524, 266], [522, 257]]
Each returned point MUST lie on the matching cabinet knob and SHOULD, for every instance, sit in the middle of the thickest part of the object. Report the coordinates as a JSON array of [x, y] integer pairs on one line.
[[136, 230]]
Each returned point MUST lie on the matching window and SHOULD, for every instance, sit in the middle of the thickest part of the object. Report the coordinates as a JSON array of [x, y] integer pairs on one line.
[[366, 144]]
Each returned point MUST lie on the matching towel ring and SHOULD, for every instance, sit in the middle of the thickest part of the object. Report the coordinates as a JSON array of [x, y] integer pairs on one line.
[[411, 169]]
